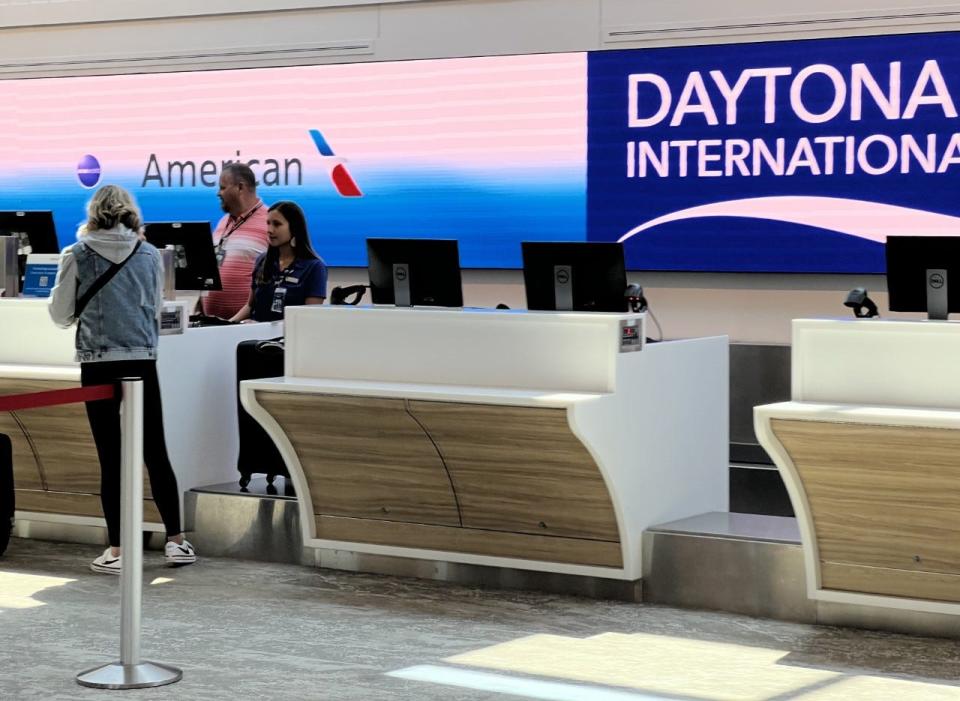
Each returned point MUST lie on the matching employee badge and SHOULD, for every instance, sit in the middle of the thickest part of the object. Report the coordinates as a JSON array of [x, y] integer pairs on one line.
[[278, 297]]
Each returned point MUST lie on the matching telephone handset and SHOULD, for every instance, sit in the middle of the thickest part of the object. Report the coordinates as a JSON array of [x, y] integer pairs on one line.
[[339, 295]]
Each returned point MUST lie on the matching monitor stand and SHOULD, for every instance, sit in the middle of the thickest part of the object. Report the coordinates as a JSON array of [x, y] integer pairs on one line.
[[401, 285], [563, 288], [10, 277], [937, 306]]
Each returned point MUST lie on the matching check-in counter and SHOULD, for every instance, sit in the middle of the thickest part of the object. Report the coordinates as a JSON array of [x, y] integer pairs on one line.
[[869, 450], [533, 440], [56, 470]]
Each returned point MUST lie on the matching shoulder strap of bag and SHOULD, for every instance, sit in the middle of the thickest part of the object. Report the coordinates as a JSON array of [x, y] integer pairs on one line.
[[100, 282]]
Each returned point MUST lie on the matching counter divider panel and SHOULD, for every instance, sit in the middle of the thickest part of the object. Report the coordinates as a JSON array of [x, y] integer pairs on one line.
[[882, 506], [365, 457], [74, 504], [520, 469], [470, 540]]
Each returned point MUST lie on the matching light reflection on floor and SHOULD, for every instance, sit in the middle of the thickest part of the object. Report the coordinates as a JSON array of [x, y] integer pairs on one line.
[[643, 667], [517, 686], [17, 589]]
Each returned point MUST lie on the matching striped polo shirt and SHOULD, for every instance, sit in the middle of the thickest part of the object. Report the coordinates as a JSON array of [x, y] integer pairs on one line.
[[242, 246]]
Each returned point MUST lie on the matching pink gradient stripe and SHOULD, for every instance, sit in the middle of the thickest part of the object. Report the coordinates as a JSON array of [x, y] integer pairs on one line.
[[874, 221], [463, 112]]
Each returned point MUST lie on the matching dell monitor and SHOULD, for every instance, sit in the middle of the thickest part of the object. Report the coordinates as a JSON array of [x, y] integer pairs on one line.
[[415, 272], [574, 276], [195, 263], [34, 231], [923, 274]]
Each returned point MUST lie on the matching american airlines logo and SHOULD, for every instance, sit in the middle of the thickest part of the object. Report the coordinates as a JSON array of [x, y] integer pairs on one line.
[[341, 178], [269, 171]]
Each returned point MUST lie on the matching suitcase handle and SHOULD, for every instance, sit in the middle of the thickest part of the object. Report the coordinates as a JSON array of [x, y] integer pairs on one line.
[[272, 344]]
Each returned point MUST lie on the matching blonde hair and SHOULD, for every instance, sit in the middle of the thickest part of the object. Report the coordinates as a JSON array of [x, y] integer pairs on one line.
[[112, 205]]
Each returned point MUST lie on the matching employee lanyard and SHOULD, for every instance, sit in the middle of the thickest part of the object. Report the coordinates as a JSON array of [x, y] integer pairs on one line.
[[236, 225], [282, 275], [279, 291]]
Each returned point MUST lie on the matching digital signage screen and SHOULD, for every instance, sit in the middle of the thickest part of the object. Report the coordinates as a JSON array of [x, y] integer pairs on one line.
[[790, 156], [488, 151]]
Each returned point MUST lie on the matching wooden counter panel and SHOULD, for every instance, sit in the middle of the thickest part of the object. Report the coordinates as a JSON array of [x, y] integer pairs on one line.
[[74, 504], [520, 469], [61, 437], [467, 540], [880, 496], [879, 580], [365, 457], [26, 471]]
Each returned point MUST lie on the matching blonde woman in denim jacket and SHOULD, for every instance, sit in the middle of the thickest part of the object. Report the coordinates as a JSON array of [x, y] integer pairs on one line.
[[117, 338]]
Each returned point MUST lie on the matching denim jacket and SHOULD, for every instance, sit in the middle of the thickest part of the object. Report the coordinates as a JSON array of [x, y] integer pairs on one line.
[[120, 322]]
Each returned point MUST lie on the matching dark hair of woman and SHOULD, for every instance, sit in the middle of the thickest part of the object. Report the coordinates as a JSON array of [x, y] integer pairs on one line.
[[299, 241]]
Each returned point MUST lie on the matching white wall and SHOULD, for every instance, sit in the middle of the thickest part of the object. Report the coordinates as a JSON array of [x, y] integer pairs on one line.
[[82, 37], [64, 37]]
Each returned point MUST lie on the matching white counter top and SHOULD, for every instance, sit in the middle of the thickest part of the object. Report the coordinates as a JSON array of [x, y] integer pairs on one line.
[[561, 351], [197, 371], [876, 361], [406, 390]]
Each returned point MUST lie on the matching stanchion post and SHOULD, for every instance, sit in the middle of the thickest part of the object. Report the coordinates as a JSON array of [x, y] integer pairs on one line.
[[131, 521], [130, 672]]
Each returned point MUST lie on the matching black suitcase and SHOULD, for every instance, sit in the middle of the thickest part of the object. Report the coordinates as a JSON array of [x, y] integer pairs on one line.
[[258, 453], [7, 497]]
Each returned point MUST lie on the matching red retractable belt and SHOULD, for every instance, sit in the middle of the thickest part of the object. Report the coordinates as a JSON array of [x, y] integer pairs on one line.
[[33, 400]]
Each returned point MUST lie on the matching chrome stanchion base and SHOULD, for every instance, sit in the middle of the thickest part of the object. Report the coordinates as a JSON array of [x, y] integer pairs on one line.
[[131, 676]]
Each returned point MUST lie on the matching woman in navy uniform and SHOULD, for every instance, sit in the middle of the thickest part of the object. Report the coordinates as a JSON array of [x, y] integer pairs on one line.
[[290, 273]]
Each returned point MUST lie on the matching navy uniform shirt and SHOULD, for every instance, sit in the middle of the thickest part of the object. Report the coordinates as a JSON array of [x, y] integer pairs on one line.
[[306, 277]]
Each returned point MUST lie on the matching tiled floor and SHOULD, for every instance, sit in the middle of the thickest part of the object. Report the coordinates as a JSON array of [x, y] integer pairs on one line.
[[244, 630]]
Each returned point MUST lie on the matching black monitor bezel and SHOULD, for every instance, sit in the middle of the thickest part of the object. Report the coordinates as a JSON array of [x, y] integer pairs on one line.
[[540, 258], [40, 228], [907, 260], [197, 240], [41, 232], [433, 260]]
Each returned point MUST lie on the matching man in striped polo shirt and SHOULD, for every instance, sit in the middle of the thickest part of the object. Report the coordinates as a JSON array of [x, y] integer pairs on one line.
[[240, 236]]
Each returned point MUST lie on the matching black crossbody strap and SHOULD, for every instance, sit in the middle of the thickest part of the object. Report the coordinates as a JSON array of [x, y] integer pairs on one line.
[[100, 282]]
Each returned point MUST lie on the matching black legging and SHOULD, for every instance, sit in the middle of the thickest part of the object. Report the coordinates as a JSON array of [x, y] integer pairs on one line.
[[104, 418]]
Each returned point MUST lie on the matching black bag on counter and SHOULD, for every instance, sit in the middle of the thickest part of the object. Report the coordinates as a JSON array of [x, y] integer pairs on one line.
[[7, 497], [258, 454]]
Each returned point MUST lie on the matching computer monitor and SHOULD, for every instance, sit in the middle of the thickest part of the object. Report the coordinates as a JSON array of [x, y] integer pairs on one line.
[[923, 274], [195, 263], [574, 276], [415, 272], [34, 231]]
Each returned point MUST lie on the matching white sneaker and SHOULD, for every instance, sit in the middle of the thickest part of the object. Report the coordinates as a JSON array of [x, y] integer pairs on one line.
[[177, 554], [107, 563]]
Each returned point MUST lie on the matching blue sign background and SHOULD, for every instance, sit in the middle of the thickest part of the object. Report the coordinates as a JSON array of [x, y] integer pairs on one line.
[[617, 204], [38, 279]]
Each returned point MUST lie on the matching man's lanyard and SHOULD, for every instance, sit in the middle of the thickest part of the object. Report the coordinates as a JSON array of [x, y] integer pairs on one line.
[[236, 225]]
